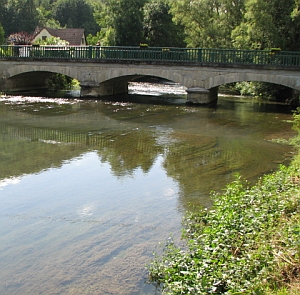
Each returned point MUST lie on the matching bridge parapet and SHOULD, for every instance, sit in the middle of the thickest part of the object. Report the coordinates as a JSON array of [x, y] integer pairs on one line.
[[200, 56]]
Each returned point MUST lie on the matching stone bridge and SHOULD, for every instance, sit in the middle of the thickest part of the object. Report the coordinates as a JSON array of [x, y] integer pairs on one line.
[[102, 77]]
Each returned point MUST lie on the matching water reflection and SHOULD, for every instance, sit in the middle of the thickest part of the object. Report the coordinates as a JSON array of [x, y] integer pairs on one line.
[[89, 188]]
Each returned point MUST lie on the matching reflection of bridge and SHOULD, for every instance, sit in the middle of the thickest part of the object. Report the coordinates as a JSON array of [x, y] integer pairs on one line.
[[62, 137], [107, 70], [55, 136]]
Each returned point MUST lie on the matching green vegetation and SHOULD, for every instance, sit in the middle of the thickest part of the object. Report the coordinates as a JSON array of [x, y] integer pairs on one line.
[[265, 91], [60, 82], [1, 34], [75, 14], [247, 243], [52, 41], [243, 24], [158, 26]]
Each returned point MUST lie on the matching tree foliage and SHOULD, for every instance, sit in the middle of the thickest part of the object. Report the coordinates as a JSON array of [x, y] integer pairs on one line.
[[1, 34], [158, 26], [18, 16], [75, 14], [208, 23], [244, 24], [266, 24], [46, 19], [127, 21], [52, 41], [20, 38]]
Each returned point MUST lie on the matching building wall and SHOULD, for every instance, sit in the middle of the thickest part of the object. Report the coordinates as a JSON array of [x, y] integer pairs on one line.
[[83, 42], [42, 35]]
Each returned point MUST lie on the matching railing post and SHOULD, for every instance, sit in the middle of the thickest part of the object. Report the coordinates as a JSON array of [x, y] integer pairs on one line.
[[90, 52], [199, 59]]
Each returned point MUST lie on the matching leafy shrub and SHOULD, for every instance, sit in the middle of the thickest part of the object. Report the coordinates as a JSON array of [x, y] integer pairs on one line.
[[6, 51], [59, 81], [232, 248]]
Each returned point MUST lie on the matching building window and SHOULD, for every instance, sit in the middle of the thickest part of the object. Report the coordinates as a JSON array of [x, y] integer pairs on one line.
[[44, 38]]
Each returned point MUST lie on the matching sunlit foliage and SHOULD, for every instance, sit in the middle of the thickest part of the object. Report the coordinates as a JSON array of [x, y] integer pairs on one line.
[[240, 245]]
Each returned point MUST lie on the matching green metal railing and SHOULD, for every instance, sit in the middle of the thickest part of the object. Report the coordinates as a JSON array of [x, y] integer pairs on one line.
[[149, 54]]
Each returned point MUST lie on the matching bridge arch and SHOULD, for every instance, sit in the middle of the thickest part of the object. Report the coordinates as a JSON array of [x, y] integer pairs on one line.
[[28, 68], [98, 74], [287, 80], [26, 77]]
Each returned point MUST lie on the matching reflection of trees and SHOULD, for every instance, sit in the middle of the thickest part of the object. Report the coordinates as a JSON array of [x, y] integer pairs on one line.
[[24, 155], [26, 149], [127, 152], [192, 161], [201, 164]]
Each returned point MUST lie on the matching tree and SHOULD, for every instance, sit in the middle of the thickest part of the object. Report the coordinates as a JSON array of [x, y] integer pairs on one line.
[[2, 10], [27, 16], [16, 16], [208, 23], [159, 28], [45, 19], [267, 24], [127, 21], [295, 28], [105, 19], [9, 17], [76, 14], [20, 38], [1, 35]]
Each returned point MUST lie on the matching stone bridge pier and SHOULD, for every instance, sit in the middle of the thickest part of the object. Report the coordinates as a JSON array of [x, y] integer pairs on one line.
[[114, 79], [195, 95], [107, 88], [198, 95]]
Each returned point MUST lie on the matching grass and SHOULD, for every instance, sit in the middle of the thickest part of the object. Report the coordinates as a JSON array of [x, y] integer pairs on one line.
[[247, 243]]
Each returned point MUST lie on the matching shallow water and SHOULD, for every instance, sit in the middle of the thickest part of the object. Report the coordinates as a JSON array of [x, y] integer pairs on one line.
[[88, 189]]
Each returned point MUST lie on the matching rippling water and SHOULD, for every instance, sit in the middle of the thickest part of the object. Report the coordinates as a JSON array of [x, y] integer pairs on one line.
[[88, 189]]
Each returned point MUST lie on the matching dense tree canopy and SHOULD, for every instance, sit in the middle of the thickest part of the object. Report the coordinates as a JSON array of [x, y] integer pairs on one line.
[[209, 23], [127, 21], [251, 24], [295, 29], [266, 24], [18, 16], [75, 14], [159, 28], [1, 35]]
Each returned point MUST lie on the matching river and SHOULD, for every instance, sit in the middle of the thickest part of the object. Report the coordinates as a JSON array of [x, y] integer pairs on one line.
[[90, 188]]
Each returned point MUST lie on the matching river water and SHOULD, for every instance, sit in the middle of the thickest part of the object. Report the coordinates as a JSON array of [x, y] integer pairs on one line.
[[90, 188]]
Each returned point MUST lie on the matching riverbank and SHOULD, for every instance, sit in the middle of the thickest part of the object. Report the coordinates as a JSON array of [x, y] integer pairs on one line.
[[248, 243]]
